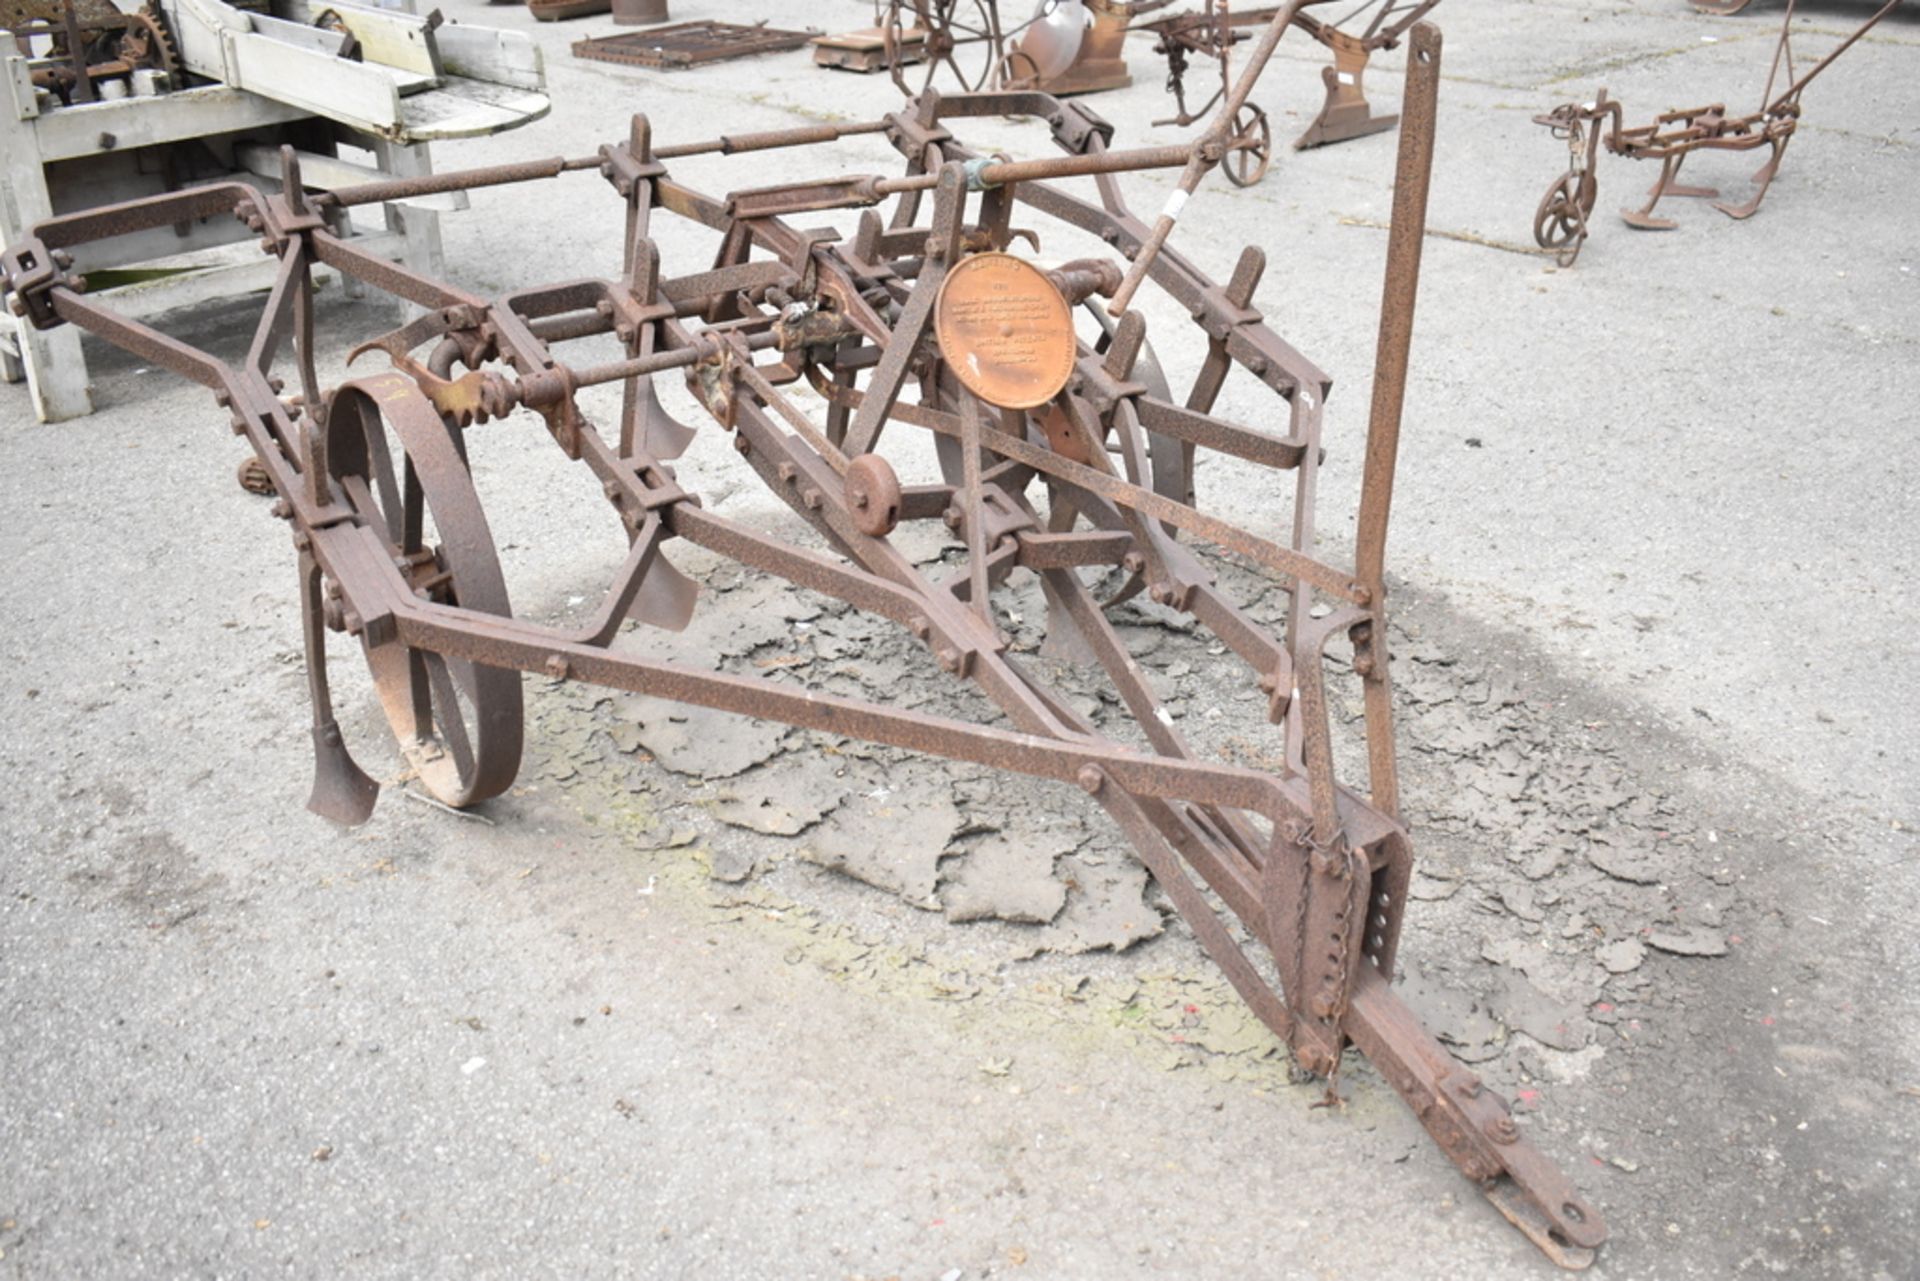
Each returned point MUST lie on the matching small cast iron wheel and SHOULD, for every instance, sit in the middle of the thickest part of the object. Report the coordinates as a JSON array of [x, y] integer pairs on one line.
[[1560, 223], [1248, 165], [873, 495], [458, 723]]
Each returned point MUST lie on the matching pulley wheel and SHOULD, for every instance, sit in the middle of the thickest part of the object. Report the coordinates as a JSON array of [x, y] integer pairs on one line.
[[1246, 165], [873, 495], [1560, 223]]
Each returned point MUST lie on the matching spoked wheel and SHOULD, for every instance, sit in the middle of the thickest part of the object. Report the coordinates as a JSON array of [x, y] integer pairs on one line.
[[459, 724], [1247, 164], [1560, 223], [960, 36]]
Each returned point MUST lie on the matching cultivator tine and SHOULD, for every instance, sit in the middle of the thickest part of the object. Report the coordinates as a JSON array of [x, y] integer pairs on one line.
[[342, 791], [1762, 179], [666, 598]]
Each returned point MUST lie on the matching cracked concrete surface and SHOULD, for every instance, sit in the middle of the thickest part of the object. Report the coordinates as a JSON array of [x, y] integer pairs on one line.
[[714, 996]]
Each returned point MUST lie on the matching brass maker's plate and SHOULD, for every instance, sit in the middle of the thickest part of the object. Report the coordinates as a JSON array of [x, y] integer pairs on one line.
[[1005, 331]]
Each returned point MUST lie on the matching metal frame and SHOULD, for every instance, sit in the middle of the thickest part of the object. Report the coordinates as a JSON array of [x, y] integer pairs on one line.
[[689, 44], [393, 545]]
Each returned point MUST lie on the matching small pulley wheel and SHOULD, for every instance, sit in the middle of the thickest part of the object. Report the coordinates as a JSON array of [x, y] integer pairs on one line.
[[1247, 163], [873, 495], [1560, 222]]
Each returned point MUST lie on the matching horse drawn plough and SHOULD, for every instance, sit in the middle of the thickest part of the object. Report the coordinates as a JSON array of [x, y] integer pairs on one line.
[[1560, 221], [1211, 33]]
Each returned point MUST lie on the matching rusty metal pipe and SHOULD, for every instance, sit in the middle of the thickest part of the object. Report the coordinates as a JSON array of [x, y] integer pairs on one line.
[[1000, 173], [768, 140], [373, 193], [661, 361]]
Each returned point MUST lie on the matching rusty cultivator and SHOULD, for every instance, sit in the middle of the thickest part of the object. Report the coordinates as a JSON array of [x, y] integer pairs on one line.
[[1560, 220], [1065, 451]]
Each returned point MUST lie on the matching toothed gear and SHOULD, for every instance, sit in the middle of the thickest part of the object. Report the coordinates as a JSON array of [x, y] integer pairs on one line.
[[166, 54]]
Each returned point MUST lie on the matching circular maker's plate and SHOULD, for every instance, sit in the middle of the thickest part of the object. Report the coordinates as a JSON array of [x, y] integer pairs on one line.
[[1005, 331]]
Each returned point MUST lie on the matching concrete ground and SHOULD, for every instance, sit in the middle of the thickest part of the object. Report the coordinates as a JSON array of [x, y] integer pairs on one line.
[[1653, 554]]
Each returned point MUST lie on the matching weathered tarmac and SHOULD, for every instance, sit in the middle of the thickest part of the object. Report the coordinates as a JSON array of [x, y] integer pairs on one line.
[[706, 996]]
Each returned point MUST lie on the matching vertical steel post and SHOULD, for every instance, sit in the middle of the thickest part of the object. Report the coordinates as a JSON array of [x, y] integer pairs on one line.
[[1396, 304]]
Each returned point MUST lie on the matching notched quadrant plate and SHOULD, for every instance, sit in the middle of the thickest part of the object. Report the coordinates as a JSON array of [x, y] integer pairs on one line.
[[1005, 331]]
